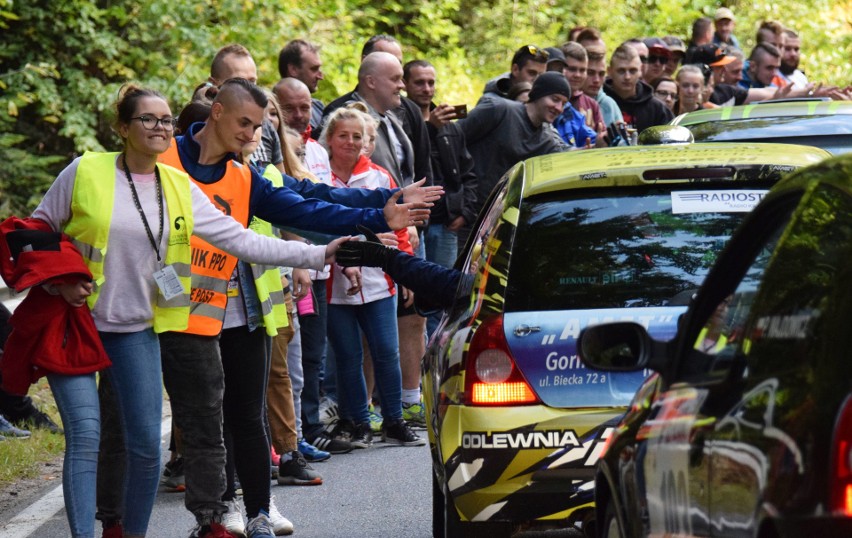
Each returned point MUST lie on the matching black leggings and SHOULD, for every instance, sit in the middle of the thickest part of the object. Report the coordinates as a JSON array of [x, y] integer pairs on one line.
[[244, 359]]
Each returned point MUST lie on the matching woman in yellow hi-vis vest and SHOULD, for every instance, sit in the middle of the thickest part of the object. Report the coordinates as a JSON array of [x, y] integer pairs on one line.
[[132, 219]]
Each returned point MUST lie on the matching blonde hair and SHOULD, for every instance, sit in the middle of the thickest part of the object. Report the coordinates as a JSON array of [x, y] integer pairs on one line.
[[293, 165], [354, 111]]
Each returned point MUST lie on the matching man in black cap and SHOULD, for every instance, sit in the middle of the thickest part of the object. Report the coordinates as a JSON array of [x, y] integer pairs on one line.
[[658, 57], [678, 50], [555, 59], [528, 63], [500, 133]]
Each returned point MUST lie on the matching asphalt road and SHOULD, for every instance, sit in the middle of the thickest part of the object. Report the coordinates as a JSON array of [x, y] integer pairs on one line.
[[384, 491]]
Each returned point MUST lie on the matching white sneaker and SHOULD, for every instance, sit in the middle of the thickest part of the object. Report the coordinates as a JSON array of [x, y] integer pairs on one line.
[[233, 519], [329, 412], [280, 524]]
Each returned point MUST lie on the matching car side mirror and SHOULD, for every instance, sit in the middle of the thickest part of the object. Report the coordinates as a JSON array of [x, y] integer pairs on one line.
[[620, 347]]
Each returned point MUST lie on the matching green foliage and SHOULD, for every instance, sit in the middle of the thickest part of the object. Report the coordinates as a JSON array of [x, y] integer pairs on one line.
[[62, 63]]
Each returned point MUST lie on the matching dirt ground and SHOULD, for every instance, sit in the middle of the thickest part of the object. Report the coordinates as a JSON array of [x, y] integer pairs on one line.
[[17, 496]]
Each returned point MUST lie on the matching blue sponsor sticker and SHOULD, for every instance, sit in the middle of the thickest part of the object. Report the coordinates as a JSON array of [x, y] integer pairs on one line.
[[544, 345]]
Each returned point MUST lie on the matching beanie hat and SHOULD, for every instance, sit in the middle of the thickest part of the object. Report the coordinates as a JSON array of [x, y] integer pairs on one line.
[[549, 83]]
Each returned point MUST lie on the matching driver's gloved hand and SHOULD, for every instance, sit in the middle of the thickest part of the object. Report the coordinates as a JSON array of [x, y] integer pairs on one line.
[[369, 253]]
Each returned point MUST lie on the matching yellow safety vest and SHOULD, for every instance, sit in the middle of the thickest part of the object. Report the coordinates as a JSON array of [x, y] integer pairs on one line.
[[267, 278], [92, 203]]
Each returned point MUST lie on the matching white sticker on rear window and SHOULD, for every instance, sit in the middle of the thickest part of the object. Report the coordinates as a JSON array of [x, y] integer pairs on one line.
[[717, 201]]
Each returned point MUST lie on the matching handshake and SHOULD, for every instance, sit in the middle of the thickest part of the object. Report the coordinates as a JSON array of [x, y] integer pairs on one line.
[[367, 253]]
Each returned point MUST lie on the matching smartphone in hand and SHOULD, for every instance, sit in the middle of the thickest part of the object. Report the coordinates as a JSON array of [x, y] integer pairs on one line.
[[460, 110]]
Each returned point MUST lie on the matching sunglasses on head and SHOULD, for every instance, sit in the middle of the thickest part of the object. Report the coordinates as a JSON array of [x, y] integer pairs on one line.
[[535, 51]]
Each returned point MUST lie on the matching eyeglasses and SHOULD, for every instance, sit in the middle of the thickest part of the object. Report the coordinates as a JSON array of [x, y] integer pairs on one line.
[[151, 122], [535, 51], [662, 94], [643, 59], [657, 60]]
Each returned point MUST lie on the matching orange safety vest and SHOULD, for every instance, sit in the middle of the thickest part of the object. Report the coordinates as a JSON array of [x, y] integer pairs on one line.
[[211, 267]]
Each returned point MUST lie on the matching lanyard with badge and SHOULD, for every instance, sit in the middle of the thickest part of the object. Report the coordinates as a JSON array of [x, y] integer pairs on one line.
[[166, 278]]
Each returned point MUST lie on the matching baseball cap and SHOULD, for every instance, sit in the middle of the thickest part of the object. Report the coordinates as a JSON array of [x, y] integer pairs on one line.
[[657, 46], [712, 55], [675, 44], [724, 13], [555, 55]]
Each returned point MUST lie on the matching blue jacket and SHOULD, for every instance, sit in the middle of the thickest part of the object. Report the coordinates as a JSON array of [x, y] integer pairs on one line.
[[299, 204], [572, 128]]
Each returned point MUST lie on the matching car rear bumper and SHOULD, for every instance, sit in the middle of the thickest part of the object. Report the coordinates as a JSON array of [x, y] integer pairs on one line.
[[521, 463]]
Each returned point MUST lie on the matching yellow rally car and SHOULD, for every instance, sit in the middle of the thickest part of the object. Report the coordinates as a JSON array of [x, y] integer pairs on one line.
[[516, 422]]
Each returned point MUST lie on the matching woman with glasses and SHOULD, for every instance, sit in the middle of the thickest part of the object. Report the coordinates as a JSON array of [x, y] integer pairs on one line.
[[665, 89], [132, 219]]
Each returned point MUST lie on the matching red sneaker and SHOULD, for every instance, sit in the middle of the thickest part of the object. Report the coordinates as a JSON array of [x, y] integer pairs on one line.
[[213, 530], [112, 529]]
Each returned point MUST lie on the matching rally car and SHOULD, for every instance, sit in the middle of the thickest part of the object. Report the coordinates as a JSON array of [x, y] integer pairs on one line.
[[515, 421]]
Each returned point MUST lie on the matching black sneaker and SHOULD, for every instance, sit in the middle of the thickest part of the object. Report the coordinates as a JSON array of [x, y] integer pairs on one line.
[[37, 419], [297, 472], [362, 436], [399, 433], [342, 430], [324, 441], [173, 478]]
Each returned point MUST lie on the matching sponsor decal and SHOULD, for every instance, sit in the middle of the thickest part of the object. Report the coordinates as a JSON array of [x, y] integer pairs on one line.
[[593, 175], [533, 440], [716, 201], [793, 326]]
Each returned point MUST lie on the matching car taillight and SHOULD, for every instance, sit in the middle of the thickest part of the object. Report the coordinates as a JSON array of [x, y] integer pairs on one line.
[[491, 375], [841, 462]]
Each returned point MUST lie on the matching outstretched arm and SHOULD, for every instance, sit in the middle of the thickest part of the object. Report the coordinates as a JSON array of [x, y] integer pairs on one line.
[[418, 275]]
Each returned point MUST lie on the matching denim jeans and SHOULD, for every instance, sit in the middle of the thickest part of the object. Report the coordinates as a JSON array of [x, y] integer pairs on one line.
[[377, 321], [195, 381], [137, 384], [313, 333], [441, 248], [77, 399], [441, 245]]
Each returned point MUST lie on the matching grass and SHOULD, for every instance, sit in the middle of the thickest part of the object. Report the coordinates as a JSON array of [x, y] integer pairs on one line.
[[22, 458]]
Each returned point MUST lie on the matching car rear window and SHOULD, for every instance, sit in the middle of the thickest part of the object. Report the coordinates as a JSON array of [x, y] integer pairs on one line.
[[621, 248], [831, 133]]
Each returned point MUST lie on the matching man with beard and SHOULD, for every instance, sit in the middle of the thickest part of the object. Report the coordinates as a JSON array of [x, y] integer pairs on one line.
[[790, 57]]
